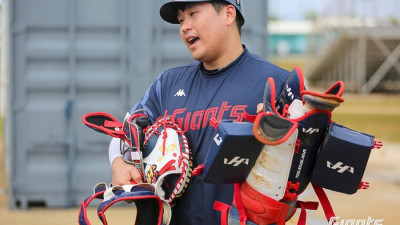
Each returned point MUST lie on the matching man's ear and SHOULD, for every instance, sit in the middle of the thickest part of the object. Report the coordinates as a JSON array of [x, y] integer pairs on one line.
[[230, 14]]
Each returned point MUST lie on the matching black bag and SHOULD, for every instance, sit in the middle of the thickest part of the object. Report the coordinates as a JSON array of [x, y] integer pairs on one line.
[[342, 159]]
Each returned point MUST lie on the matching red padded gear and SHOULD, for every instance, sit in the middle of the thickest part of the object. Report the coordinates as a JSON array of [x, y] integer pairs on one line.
[[260, 208]]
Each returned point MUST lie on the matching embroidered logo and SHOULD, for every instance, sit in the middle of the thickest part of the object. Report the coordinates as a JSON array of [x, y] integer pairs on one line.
[[289, 92], [310, 130], [180, 93], [340, 167], [236, 161]]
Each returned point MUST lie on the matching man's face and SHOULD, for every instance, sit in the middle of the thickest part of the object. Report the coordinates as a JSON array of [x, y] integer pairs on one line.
[[202, 30]]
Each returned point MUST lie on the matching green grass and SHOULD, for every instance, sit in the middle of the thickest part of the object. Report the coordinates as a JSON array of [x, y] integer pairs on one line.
[[375, 114], [384, 127]]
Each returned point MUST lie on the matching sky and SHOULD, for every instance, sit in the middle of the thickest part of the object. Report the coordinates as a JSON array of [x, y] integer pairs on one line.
[[295, 9]]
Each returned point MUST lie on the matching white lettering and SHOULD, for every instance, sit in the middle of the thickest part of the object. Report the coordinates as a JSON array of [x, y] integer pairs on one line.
[[360, 222], [310, 130], [338, 166], [332, 220], [350, 222], [289, 91], [368, 221], [218, 139], [303, 155], [236, 161]]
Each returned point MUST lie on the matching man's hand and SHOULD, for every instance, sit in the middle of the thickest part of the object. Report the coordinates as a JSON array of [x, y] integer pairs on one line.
[[260, 107], [124, 173]]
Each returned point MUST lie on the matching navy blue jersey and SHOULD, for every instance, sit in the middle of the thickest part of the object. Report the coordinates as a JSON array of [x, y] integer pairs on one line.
[[193, 96]]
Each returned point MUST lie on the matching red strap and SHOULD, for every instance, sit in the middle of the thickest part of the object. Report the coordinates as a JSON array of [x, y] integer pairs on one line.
[[303, 213], [239, 204], [364, 185], [377, 144], [108, 123], [198, 170], [285, 110], [326, 205], [298, 143], [249, 117], [291, 196], [223, 208]]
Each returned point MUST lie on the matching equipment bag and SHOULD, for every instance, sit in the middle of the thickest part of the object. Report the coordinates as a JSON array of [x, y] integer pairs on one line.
[[342, 159], [325, 154], [232, 154]]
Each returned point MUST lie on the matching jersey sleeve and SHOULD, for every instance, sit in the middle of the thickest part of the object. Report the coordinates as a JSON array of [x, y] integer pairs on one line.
[[151, 101], [113, 150]]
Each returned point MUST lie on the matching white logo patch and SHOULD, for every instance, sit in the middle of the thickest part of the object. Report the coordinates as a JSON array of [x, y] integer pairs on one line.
[[218, 139], [310, 130], [180, 93]]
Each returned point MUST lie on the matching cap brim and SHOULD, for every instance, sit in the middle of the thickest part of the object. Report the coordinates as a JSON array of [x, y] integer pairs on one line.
[[169, 11]]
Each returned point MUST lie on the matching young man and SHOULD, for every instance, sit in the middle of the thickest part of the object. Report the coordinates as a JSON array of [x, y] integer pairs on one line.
[[223, 82]]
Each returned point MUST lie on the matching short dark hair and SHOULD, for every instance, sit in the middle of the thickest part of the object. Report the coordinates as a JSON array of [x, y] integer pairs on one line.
[[218, 5]]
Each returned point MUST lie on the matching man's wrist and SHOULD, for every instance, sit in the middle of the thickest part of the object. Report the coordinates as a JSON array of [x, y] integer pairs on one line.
[[117, 159]]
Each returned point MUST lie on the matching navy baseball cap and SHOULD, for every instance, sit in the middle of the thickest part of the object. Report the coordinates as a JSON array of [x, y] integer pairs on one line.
[[169, 11]]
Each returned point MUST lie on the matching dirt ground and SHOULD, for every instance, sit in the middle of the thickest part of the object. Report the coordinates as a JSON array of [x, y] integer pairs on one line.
[[380, 201]]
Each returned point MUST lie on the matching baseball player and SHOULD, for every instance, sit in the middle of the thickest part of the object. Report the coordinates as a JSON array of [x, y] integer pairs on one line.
[[224, 81]]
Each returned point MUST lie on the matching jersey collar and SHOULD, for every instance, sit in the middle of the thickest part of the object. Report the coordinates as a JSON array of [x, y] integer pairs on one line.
[[220, 71]]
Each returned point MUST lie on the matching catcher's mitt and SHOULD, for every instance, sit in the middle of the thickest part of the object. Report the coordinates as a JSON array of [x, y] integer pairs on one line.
[[160, 151], [166, 156]]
